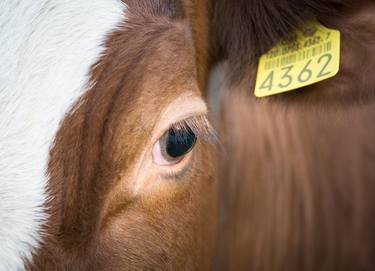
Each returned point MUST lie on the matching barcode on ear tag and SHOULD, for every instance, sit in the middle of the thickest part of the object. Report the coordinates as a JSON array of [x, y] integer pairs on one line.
[[313, 55]]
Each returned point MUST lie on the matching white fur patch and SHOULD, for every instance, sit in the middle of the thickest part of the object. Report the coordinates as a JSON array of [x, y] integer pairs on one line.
[[46, 50]]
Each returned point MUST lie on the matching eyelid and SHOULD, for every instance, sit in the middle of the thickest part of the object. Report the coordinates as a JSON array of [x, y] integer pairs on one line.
[[177, 111]]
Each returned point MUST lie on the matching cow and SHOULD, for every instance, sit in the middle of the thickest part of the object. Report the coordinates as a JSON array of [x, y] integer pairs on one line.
[[108, 159], [106, 150]]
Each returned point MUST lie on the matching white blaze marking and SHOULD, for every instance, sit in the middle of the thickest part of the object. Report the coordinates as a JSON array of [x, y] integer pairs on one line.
[[46, 51]]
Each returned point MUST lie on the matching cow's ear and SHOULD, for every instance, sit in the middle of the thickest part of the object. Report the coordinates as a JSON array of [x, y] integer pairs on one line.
[[248, 29]]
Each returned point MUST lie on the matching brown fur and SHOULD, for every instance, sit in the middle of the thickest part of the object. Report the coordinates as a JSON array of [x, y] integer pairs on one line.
[[197, 12], [298, 190], [298, 177], [95, 223]]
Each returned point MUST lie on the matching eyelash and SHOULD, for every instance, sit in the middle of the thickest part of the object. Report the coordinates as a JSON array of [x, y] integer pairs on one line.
[[199, 125]]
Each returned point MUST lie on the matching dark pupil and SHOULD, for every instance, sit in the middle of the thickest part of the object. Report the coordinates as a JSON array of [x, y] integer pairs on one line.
[[180, 143]]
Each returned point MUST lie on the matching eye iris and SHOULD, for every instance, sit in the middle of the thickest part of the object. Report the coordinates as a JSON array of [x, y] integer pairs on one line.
[[180, 142]]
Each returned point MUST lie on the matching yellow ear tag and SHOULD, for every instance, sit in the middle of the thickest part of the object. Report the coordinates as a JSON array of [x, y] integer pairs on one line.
[[312, 55]]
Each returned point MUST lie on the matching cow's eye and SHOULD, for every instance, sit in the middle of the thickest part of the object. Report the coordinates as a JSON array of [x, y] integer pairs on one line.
[[174, 145]]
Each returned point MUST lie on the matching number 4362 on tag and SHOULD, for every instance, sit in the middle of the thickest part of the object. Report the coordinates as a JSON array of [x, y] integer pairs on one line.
[[313, 56]]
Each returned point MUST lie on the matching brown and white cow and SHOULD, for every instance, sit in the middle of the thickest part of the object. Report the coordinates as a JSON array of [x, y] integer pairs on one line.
[[105, 148], [93, 95]]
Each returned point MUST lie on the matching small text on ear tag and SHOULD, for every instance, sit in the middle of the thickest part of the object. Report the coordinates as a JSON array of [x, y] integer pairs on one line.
[[313, 55]]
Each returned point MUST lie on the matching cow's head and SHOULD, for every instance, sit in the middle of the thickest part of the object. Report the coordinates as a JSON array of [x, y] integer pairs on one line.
[[113, 144]]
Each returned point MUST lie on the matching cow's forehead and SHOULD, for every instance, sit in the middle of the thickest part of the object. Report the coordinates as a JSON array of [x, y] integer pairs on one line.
[[47, 49]]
